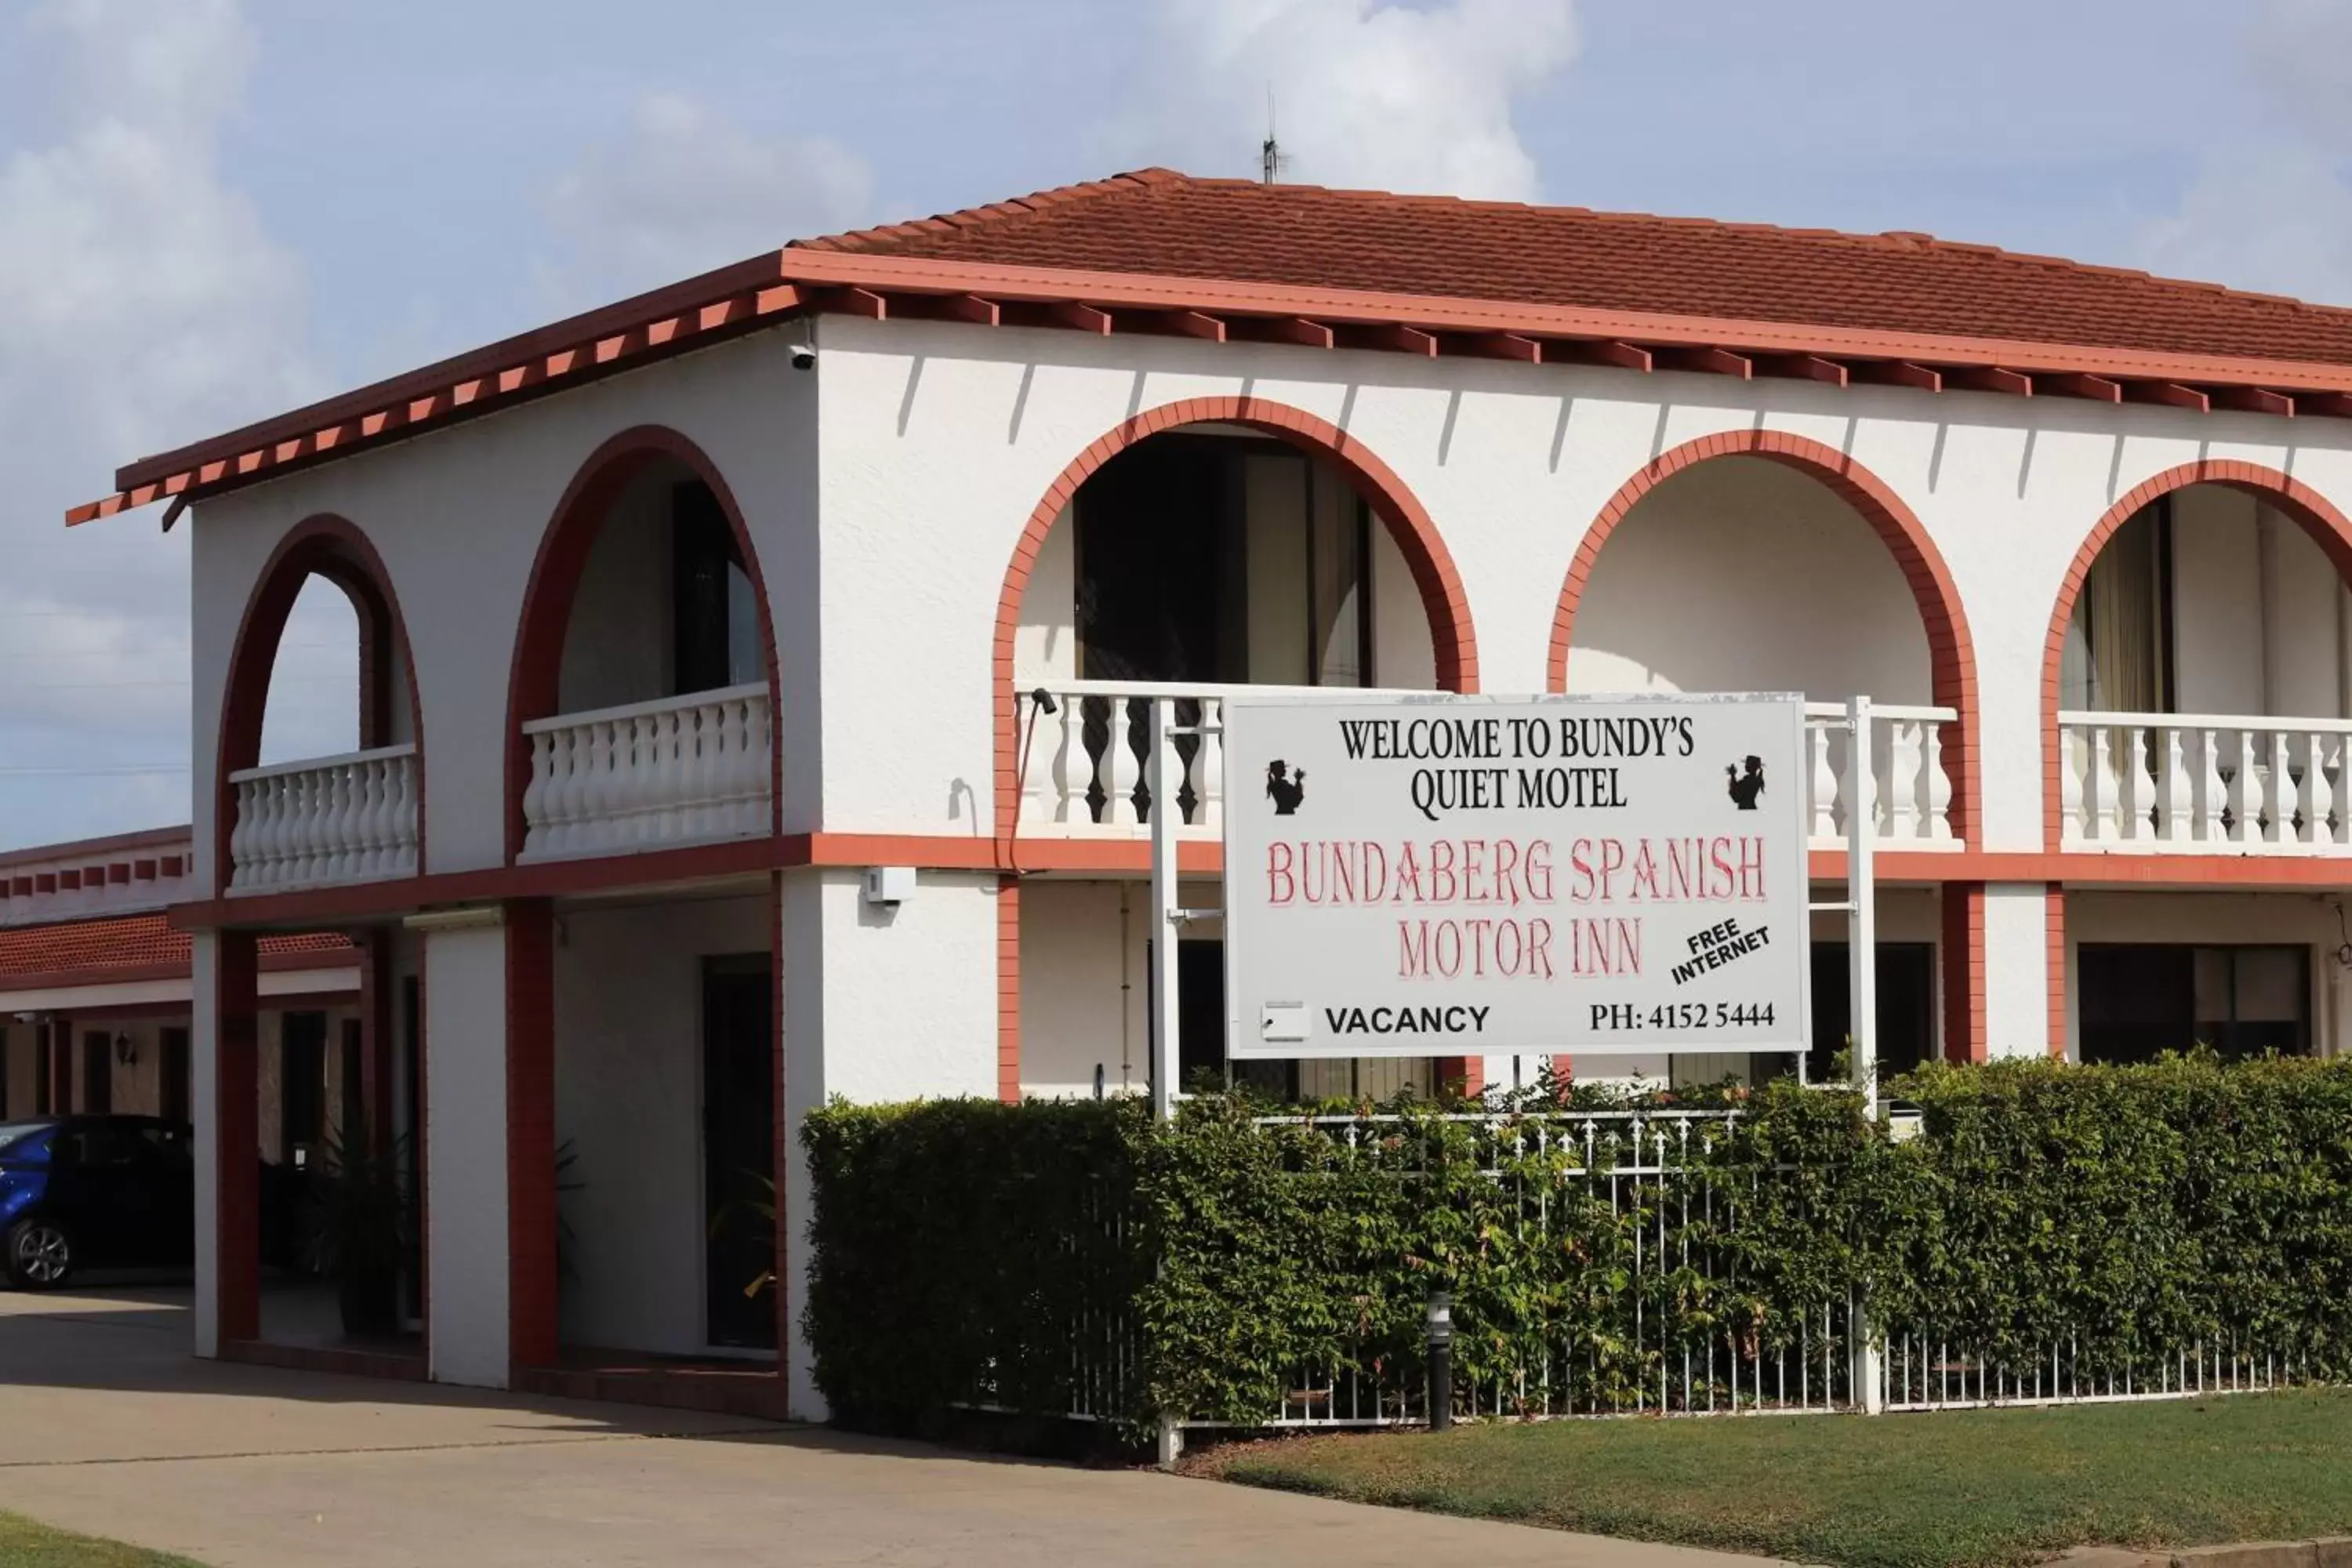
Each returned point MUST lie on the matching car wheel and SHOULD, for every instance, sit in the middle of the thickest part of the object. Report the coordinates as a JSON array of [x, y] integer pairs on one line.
[[40, 1255]]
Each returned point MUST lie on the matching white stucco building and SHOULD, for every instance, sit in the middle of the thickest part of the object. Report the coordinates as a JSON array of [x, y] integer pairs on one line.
[[679, 616]]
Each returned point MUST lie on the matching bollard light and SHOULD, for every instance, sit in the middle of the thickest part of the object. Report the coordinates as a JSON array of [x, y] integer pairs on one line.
[[1438, 1325]]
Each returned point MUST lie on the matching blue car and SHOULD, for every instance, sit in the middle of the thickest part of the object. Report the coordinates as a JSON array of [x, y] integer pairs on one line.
[[94, 1191]]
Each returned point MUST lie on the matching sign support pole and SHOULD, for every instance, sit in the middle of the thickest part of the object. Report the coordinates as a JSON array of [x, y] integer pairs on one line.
[[1869, 1394], [1861, 914], [1167, 913]]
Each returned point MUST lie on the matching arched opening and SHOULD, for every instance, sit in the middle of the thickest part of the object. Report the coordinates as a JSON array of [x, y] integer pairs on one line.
[[644, 1032], [643, 685], [305, 815], [2199, 682], [1198, 549], [319, 785], [1762, 562]]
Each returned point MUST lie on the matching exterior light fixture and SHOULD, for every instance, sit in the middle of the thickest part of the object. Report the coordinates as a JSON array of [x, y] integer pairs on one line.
[[1438, 1323], [126, 1049]]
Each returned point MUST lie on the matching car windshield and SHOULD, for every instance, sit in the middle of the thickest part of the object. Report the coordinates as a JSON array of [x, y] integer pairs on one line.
[[18, 1132]]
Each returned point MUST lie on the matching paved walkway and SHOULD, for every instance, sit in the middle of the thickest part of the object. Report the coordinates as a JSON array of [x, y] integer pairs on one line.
[[108, 1426]]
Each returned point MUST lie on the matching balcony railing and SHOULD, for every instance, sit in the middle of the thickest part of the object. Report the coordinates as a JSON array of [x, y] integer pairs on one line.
[[1085, 763], [651, 775], [1912, 788], [2204, 784], [324, 820]]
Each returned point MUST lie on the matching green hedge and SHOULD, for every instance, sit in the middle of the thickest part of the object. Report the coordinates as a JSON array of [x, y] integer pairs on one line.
[[1059, 1256]]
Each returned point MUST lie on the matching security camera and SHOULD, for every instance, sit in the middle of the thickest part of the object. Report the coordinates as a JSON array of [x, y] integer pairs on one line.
[[803, 356]]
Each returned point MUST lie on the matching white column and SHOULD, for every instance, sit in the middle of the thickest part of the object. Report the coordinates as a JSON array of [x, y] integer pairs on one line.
[[802, 999], [2017, 968], [203, 1044], [465, 966]]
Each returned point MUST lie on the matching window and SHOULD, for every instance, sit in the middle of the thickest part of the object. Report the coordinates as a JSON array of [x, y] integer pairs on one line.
[[714, 615], [97, 1072], [2137, 999], [2119, 647], [175, 1085]]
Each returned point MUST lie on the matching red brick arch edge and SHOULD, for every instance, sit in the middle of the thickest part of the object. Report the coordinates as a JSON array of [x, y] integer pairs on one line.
[[1951, 652], [335, 548], [2329, 528], [1407, 523], [1951, 655]]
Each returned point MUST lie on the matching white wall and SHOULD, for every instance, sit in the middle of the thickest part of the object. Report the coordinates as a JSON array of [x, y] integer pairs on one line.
[[619, 647], [465, 1165], [628, 1098], [879, 1004]]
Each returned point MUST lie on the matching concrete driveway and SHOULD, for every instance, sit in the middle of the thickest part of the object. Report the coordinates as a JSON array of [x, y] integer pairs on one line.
[[108, 1426]]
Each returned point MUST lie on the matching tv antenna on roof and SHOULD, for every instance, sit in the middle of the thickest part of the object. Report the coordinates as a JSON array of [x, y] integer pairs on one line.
[[1269, 153]]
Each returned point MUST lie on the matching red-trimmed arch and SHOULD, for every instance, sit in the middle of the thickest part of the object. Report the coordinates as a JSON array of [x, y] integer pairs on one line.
[[1408, 523], [1951, 655], [533, 691], [335, 548], [2312, 512], [534, 682]]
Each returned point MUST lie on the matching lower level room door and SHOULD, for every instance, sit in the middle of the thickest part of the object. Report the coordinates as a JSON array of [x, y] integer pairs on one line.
[[738, 1149]]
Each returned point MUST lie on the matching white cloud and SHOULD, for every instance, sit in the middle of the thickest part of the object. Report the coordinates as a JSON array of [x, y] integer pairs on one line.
[[2269, 207], [1366, 93], [143, 303], [684, 191]]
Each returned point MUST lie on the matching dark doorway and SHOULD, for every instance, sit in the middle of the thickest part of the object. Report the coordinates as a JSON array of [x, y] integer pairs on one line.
[[97, 1073], [714, 621], [175, 1100], [45, 1073], [1906, 1007], [738, 1149], [301, 1086], [1200, 1028], [4, 1065]]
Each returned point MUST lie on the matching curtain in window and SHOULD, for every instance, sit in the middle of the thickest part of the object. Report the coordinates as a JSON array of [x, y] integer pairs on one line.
[[2117, 652]]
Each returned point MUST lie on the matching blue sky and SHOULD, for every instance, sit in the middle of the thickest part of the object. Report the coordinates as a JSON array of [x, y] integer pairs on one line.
[[211, 209]]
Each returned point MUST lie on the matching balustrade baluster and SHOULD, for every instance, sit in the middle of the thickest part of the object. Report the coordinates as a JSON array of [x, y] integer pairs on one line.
[[400, 801], [1122, 768], [2173, 791], [2327, 765], [760, 728], [2137, 795], [2245, 797], [1073, 769], [753, 768], [2284, 802], [1904, 751], [2099, 788], [597, 793], [240, 838], [1209, 768], [1938, 783], [2212, 792], [1825, 779], [2074, 805]]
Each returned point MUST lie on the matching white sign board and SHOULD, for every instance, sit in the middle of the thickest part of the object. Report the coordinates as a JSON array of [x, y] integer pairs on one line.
[[1463, 876]]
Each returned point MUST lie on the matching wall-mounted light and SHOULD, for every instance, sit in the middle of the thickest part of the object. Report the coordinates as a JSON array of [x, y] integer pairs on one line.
[[126, 1049]]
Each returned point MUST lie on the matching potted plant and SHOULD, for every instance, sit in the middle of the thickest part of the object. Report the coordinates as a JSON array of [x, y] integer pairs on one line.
[[361, 1229]]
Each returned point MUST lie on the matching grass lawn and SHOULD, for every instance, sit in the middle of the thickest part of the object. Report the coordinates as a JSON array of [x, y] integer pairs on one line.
[[25, 1545], [1951, 1489]]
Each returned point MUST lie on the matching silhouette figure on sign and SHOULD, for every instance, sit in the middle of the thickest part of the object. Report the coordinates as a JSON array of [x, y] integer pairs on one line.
[[1746, 787], [1285, 786]]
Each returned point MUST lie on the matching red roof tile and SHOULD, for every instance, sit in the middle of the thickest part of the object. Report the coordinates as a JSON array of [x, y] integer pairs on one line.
[[135, 941], [1164, 223]]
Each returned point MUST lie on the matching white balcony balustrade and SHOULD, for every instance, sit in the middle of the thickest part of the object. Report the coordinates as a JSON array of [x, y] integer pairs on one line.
[[1912, 787], [651, 775], [324, 820], [1084, 772], [2204, 784]]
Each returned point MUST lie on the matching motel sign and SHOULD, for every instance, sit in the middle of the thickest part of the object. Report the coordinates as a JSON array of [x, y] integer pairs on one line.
[[1461, 876]]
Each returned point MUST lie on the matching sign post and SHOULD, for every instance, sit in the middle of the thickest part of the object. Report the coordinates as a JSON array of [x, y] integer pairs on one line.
[[1433, 876], [1168, 929]]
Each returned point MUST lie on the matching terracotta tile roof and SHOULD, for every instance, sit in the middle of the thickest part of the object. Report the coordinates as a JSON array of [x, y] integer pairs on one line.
[[136, 941], [1160, 222]]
